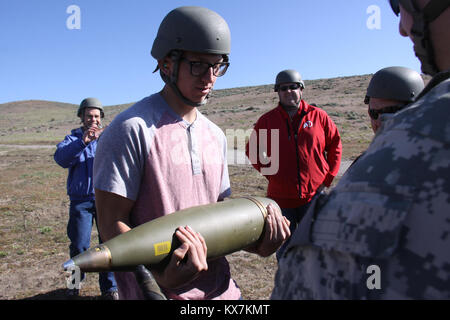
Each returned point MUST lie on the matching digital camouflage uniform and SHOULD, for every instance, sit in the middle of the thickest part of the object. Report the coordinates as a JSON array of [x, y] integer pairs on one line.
[[391, 210]]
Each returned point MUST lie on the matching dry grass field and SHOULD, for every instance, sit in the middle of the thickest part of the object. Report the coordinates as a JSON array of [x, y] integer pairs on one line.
[[34, 204]]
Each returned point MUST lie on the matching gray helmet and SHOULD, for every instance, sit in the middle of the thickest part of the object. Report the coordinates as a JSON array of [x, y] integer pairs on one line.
[[395, 83], [194, 29], [90, 103], [422, 18], [287, 76]]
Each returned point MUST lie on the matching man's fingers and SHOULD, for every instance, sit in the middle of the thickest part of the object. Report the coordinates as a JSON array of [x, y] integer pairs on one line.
[[180, 253], [286, 225], [197, 247], [273, 227], [203, 243], [279, 224], [286, 220]]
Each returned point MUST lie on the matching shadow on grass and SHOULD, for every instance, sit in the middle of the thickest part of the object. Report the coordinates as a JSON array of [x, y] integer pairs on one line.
[[60, 294]]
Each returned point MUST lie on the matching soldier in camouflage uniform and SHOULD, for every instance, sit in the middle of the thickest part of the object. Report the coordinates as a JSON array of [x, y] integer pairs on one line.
[[384, 231]]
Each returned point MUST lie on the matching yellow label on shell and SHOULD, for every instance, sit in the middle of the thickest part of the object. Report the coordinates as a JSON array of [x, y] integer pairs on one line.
[[162, 248]]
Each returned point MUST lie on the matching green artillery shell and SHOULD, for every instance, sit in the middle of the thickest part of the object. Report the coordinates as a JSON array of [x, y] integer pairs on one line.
[[227, 227]]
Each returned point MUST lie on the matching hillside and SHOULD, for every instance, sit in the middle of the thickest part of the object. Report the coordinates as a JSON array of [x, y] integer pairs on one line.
[[47, 122], [34, 205]]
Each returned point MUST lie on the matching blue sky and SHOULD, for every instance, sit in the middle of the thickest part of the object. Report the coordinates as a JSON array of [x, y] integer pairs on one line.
[[109, 56]]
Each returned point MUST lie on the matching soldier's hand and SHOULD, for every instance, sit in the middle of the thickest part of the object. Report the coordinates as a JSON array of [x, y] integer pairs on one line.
[[187, 261], [276, 232]]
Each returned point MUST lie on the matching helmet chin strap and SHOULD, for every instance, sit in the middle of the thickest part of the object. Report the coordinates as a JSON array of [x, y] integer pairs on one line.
[[185, 100], [172, 81], [423, 47]]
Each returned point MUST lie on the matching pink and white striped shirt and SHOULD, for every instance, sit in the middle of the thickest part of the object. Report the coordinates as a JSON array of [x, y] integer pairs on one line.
[[152, 156]]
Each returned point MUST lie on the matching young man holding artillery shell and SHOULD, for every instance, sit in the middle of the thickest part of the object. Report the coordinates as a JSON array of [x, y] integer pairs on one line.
[[162, 155]]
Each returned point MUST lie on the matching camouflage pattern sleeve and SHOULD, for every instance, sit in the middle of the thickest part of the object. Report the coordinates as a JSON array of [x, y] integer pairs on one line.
[[384, 231]]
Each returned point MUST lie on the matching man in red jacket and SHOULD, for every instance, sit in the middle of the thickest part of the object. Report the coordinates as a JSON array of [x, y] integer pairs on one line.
[[297, 147]]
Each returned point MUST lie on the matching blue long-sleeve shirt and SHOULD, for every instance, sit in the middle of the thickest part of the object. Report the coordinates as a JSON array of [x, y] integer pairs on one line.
[[73, 154]]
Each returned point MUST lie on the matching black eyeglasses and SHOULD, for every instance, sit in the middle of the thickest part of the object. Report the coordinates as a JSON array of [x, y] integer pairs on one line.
[[395, 6], [199, 68], [294, 86], [374, 114], [409, 6]]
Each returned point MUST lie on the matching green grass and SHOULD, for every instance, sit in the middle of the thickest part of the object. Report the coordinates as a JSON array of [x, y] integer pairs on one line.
[[34, 204]]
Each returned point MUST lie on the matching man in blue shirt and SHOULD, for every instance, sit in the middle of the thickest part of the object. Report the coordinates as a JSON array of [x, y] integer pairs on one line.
[[77, 153]]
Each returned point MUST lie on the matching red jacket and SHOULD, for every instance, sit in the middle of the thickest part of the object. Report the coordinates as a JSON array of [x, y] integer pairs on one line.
[[307, 157]]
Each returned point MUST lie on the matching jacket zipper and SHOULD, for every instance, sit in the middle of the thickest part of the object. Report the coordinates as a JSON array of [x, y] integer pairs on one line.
[[298, 167], [296, 150]]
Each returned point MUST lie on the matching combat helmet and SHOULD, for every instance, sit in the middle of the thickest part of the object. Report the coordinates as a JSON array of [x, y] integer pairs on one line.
[[287, 76], [90, 103], [190, 28], [395, 83], [423, 46]]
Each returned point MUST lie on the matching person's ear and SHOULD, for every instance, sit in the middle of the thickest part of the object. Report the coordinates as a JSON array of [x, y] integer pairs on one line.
[[164, 65]]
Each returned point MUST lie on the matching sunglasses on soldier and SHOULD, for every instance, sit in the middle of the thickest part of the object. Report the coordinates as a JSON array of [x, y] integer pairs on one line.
[[395, 6], [294, 86], [411, 6], [374, 114]]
